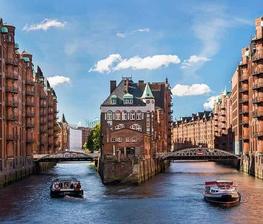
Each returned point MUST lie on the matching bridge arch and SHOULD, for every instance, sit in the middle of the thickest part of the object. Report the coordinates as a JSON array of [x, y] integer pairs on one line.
[[67, 156], [198, 154]]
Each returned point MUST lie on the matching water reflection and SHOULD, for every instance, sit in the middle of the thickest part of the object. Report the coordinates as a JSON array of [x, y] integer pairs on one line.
[[171, 197]]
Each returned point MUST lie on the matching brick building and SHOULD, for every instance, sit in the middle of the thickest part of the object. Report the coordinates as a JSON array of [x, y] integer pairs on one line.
[[21, 109], [194, 131], [223, 136], [63, 134], [135, 125], [212, 129], [247, 83]]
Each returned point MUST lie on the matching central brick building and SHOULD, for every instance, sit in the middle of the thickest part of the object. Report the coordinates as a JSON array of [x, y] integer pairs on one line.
[[135, 125]]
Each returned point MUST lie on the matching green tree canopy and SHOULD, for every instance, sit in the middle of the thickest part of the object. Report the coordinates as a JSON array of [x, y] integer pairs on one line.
[[93, 142]]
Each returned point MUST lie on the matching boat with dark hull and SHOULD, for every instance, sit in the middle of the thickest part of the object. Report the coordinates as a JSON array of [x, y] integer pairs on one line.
[[222, 192], [61, 187]]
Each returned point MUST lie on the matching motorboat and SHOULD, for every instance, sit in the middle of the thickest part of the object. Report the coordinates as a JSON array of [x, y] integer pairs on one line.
[[222, 192], [61, 187]]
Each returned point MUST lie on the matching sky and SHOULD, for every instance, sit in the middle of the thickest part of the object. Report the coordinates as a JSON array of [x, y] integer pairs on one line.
[[82, 45]]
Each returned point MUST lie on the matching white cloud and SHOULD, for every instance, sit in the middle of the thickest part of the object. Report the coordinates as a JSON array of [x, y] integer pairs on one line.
[[105, 65], [142, 30], [120, 35], [58, 80], [194, 60], [125, 34], [210, 102], [45, 25], [190, 90], [150, 62], [115, 62]]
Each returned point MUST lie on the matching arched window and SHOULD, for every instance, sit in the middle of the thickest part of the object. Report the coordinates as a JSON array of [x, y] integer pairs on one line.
[[109, 115], [136, 127], [124, 115], [132, 115], [119, 126], [139, 115], [117, 115]]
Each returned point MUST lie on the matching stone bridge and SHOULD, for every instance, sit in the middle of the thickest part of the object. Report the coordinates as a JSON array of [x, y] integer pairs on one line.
[[198, 154]]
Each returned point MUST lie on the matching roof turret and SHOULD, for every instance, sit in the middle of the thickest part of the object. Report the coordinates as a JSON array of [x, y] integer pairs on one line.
[[147, 93]]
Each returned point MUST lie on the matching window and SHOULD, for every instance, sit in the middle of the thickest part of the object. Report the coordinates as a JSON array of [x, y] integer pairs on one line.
[[124, 115], [113, 101], [139, 115], [109, 115], [119, 139], [136, 127], [132, 115], [119, 126], [117, 115], [133, 139], [128, 101], [127, 139]]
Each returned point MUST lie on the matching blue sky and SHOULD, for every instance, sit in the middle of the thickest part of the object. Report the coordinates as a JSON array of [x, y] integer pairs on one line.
[[84, 44]]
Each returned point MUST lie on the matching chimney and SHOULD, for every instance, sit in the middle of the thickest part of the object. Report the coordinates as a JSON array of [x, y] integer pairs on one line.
[[141, 85], [112, 85]]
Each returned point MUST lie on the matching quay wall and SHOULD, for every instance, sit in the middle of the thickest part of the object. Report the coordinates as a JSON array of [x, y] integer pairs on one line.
[[130, 171], [11, 174], [252, 164]]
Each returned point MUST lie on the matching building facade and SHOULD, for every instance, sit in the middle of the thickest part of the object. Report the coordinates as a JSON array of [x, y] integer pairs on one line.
[[21, 109], [135, 125], [194, 131], [63, 134], [223, 135], [248, 85]]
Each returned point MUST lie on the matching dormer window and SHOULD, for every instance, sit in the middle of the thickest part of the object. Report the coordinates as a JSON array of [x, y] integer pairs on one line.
[[127, 99], [113, 99]]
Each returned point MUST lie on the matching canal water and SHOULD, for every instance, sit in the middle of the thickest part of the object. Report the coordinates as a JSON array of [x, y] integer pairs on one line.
[[171, 197]]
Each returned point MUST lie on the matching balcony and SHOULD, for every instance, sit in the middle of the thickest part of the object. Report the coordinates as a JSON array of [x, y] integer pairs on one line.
[[258, 85], [257, 56], [243, 89], [12, 76], [244, 122], [244, 100], [257, 100], [258, 134], [257, 114], [12, 118], [30, 103], [30, 92], [244, 77], [30, 140], [11, 138], [258, 71], [245, 137], [244, 112], [30, 114], [30, 125], [30, 82], [12, 90], [13, 104], [43, 105], [11, 61]]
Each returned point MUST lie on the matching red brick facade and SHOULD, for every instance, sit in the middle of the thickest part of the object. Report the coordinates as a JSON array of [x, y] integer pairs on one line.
[[248, 107], [28, 106]]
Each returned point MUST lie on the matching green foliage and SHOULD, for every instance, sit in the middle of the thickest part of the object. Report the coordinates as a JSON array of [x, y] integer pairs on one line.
[[93, 142]]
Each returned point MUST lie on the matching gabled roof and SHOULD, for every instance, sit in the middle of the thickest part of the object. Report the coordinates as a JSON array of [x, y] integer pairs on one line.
[[121, 90]]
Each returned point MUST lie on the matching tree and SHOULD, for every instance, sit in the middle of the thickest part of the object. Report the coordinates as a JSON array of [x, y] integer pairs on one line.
[[93, 142]]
